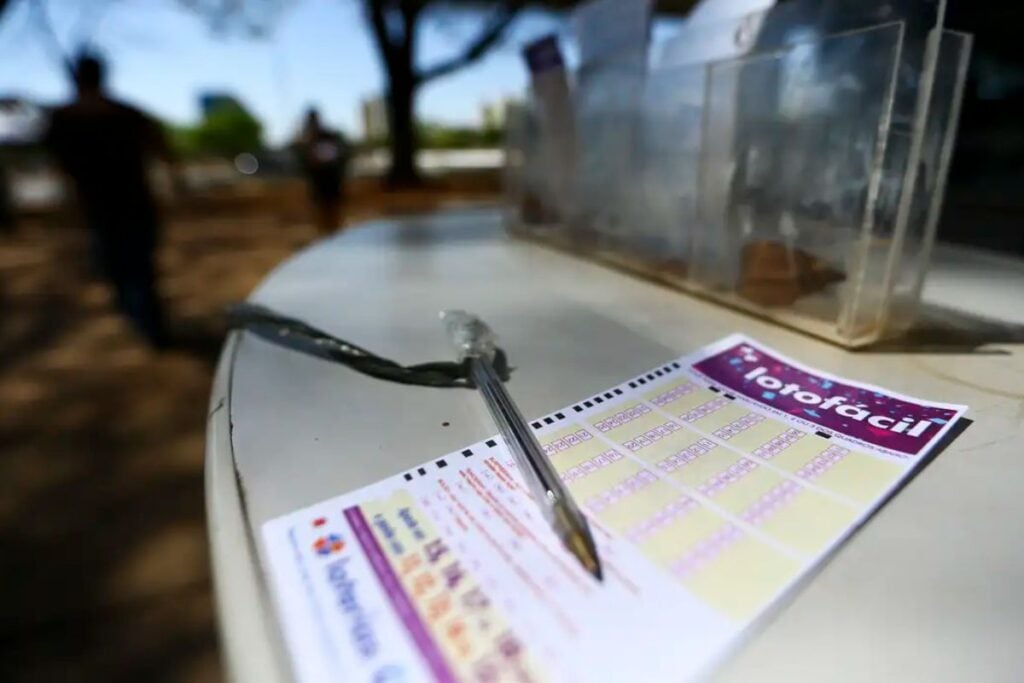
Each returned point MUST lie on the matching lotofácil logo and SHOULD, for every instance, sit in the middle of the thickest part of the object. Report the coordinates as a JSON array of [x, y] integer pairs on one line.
[[858, 412]]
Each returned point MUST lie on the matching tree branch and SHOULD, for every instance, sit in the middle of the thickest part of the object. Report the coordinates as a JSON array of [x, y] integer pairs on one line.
[[379, 26], [412, 8], [491, 33], [251, 18], [89, 20], [45, 26]]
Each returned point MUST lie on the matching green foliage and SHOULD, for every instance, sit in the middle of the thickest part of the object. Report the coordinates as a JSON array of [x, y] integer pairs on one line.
[[182, 140], [225, 131], [441, 136], [376, 142], [228, 130], [435, 136]]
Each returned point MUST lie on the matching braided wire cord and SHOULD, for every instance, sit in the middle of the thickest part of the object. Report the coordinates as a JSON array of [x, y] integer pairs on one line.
[[299, 336]]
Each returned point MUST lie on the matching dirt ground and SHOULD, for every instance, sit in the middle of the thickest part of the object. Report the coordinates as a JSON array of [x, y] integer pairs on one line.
[[103, 559]]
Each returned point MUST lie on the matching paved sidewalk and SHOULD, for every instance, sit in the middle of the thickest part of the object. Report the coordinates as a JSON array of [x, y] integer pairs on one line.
[[103, 557]]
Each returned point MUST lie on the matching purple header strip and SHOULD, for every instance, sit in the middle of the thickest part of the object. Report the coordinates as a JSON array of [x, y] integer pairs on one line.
[[870, 415], [399, 599]]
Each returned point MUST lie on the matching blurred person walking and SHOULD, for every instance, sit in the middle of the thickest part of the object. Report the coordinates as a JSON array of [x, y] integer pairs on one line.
[[324, 155], [105, 147], [6, 201]]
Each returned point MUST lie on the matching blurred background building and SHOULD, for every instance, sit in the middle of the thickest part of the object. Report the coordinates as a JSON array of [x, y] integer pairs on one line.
[[374, 115]]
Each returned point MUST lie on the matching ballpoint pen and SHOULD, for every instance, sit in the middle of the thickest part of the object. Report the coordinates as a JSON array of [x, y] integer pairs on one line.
[[476, 343]]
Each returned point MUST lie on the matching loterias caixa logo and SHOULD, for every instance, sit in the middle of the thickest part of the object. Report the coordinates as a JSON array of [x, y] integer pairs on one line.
[[329, 543]]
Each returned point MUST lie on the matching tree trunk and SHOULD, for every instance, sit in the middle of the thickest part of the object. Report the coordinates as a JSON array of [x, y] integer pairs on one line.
[[402, 129]]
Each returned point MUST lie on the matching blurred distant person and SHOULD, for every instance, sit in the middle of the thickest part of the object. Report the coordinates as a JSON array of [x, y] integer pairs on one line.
[[324, 155], [6, 201], [105, 147]]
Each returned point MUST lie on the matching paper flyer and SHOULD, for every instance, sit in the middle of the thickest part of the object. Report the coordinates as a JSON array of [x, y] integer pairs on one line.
[[712, 484]]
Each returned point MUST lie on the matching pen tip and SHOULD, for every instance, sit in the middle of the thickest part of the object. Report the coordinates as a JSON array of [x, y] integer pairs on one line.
[[584, 550], [592, 565]]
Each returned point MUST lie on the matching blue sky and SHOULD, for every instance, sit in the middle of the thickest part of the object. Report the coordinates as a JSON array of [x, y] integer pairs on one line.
[[163, 56]]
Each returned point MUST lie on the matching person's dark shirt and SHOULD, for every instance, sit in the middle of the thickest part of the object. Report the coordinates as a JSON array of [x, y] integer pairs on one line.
[[324, 156], [105, 147]]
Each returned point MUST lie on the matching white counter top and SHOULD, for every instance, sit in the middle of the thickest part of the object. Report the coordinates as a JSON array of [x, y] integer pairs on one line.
[[928, 590]]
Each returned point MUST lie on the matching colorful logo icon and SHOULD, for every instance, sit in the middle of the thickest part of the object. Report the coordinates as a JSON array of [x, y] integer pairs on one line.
[[329, 544]]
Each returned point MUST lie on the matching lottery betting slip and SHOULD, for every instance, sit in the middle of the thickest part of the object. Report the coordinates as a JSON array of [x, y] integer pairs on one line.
[[713, 484]]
